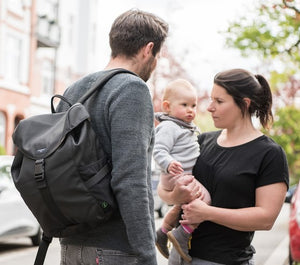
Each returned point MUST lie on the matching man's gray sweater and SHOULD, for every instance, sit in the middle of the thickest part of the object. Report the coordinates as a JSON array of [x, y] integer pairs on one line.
[[122, 116]]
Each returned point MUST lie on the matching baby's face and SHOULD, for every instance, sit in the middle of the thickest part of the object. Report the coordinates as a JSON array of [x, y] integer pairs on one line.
[[183, 105]]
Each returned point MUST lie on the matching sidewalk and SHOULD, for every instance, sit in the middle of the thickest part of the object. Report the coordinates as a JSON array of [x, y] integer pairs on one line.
[[272, 246], [280, 254]]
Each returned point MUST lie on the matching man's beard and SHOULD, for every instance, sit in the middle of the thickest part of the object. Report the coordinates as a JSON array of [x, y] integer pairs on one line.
[[147, 70]]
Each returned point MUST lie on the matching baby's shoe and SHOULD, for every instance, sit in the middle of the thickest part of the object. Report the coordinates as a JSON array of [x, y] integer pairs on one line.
[[162, 243], [180, 240]]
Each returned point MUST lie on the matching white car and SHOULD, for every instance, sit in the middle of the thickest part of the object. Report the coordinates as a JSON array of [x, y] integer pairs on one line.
[[16, 220]]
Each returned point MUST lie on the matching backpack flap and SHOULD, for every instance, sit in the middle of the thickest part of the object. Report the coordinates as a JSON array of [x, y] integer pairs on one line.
[[39, 136]]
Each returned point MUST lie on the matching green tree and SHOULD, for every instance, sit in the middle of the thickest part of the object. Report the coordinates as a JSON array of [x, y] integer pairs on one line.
[[286, 132], [272, 33]]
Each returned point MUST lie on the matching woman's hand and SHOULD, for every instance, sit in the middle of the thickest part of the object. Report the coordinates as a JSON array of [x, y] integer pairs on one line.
[[194, 212], [185, 190]]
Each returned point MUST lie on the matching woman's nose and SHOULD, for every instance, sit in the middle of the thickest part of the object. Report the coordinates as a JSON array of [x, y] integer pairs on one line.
[[210, 107]]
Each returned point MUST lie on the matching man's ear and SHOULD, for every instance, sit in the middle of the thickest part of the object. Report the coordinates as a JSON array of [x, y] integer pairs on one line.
[[166, 105], [247, 101], [148, 49]]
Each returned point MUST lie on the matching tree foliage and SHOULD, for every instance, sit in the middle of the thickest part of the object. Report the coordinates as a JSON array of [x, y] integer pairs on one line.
[[273, 32], [286, 132]]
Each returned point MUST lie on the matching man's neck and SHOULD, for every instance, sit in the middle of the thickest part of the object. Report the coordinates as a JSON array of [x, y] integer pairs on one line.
[[121, 62]]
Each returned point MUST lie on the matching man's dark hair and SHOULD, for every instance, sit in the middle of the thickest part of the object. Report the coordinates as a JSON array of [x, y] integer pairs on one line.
[[133, 30]]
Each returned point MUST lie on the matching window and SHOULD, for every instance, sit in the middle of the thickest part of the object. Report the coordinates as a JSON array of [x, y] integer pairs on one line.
[[13, 58], [47, 77]]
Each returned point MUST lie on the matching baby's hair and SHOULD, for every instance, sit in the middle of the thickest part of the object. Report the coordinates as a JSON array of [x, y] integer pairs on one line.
[[175, 85]]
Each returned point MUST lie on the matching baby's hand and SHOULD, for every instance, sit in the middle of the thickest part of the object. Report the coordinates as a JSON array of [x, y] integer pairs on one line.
[[175, 168]]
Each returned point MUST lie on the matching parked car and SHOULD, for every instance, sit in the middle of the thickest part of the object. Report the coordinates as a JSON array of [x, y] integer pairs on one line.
[[16, 220], [293, 197], [159, 205]]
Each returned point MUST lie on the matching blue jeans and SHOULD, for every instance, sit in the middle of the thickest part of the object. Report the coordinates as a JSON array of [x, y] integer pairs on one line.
[[82, 255], [175, 259]]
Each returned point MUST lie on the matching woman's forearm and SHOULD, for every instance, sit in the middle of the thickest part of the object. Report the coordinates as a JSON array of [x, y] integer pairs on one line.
[[245, 219], [261, 217]]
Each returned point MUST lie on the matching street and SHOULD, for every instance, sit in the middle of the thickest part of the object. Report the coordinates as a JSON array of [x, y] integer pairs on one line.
[[270, 245]]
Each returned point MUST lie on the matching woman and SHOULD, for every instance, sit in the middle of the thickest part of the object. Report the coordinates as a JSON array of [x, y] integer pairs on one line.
[[244, 171]]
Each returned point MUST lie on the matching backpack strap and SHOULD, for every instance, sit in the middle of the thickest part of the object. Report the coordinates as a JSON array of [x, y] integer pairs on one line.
[[60, 97], [39, 175], [102, 81], [43, 247]]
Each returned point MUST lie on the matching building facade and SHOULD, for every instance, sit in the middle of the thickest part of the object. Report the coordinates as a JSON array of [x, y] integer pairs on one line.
[[15, 66], [40, 44]]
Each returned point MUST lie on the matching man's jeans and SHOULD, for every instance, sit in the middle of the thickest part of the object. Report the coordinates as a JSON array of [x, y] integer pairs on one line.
[[82, 255]]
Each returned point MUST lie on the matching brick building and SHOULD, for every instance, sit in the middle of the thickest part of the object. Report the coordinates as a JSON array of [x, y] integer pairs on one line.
[[40, 42]]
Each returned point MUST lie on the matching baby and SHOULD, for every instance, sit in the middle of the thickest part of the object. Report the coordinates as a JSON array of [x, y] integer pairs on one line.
[[176, 150]]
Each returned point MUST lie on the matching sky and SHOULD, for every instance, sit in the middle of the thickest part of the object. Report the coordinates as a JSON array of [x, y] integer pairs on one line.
[[194, 36]]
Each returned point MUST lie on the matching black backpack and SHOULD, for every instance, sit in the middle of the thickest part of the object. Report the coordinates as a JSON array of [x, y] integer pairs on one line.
[[61, 171]]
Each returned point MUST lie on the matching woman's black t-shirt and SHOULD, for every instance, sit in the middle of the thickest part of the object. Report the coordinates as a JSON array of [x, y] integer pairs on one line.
[[231, 175]]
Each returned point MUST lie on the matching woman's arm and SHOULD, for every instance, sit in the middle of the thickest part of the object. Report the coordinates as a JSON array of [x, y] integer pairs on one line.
[[269, 200]]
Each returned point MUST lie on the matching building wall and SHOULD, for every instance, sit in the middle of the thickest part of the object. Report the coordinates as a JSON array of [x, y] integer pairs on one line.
[[15, 52], [46, 45]]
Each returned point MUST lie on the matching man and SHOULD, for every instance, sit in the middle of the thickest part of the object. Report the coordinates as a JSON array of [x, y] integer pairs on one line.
[[122, 116]]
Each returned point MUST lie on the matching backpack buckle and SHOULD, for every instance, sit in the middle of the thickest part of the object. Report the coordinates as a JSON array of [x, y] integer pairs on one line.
[[39, 170]]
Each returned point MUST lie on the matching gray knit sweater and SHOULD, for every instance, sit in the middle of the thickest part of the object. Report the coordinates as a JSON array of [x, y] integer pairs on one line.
[[122, 116]]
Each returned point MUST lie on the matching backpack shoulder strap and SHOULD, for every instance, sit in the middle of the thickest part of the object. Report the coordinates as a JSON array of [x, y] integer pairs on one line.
[[102, 81], [43, 247]]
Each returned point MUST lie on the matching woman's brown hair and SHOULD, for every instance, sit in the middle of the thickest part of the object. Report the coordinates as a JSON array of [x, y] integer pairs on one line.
[[241, 84]]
